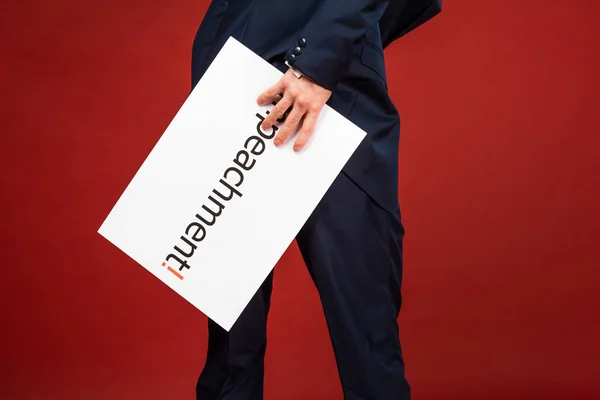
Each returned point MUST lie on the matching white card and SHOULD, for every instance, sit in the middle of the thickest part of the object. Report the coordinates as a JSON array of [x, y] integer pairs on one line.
[[214, 159]]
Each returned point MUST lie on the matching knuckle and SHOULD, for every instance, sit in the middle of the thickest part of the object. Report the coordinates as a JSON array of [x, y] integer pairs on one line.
[[303, 101], [279, 111], [269, 121], [314, 108]]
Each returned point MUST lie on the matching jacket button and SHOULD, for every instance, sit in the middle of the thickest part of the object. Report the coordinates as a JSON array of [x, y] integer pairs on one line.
[[298, 51], [292, 59], [302, 42]]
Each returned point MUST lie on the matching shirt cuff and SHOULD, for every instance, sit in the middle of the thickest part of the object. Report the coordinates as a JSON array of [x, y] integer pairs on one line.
[[294, 71]]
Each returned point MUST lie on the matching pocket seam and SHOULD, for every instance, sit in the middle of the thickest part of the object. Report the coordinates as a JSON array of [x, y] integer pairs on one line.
[[366, 64]]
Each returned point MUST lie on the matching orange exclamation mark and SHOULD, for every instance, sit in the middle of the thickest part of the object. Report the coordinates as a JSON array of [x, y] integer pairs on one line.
[[177, 274]]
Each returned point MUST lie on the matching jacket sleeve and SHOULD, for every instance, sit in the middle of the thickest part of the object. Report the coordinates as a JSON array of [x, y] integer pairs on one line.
[[205, 37], [402, 16], [334, 35]]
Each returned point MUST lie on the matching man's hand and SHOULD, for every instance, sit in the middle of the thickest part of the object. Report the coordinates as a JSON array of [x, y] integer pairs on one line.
[[302, 101]]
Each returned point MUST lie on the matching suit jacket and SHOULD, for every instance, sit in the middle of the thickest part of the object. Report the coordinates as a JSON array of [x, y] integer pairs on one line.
[[339, 44]]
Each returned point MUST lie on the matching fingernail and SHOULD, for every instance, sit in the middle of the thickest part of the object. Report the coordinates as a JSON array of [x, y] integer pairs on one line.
[[277, 142], [297, 148], [264, 126]]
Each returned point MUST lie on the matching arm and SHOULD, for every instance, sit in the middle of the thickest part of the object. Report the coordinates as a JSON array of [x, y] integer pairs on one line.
[[334, 35], [205, 37]]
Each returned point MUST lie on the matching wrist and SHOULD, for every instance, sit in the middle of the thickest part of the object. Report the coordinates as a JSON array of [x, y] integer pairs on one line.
[[295, 71]]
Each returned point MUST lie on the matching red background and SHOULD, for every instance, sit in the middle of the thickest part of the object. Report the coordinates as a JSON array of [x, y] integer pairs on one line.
[[500, 177]]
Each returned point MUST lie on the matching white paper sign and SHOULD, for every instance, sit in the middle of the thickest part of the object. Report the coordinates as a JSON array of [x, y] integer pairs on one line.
[[216, 204]]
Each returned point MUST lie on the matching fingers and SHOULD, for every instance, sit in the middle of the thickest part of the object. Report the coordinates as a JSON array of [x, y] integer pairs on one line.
[[290, 125], [308, 127], [271, 93], [277, 112], [300, 105]]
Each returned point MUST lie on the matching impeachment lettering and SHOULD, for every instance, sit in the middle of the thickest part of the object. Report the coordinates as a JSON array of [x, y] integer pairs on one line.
[[226, 190]]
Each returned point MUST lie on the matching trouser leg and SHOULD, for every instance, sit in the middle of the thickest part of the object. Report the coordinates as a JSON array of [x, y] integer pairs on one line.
[[353, 250], [234, 368]]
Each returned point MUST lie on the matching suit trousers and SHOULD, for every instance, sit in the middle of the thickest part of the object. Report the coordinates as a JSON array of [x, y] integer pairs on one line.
[[353, 251]]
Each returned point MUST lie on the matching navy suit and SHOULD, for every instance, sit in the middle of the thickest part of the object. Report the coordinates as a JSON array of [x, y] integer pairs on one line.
[[352, 243]]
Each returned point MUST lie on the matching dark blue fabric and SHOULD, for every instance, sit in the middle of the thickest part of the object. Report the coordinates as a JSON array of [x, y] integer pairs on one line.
[[343, 51], [352, 243], [353, 251]]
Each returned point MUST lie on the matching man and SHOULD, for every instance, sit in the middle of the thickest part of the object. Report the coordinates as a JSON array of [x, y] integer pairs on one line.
[[331, 52]]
